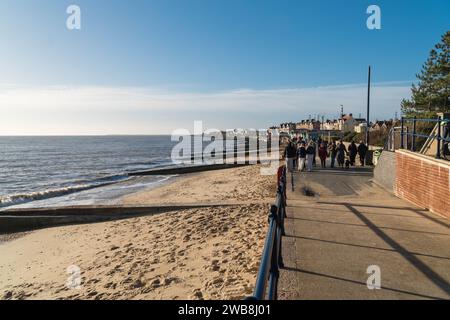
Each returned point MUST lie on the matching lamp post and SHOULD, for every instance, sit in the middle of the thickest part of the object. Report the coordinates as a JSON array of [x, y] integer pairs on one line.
[[368, 108]]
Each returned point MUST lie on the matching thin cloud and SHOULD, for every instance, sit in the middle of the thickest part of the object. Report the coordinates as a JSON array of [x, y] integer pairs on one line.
[[96, 102]]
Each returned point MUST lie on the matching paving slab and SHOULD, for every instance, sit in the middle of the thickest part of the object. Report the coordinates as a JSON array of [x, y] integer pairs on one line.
[[344, 224]]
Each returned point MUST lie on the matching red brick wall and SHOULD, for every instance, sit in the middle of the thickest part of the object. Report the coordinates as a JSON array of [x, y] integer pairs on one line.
[[423, 181]]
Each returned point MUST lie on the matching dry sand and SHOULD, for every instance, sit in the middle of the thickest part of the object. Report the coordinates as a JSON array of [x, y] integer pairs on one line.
[[243, 185], [207, 253]]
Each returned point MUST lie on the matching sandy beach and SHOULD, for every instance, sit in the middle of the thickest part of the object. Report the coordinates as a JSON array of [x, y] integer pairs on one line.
[[205, 253]]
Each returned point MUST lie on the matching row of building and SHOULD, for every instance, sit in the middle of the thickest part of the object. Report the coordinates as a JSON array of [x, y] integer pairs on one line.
[[347, 123]]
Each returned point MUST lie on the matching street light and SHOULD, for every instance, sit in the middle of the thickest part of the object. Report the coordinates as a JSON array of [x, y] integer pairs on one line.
[[368, 109]]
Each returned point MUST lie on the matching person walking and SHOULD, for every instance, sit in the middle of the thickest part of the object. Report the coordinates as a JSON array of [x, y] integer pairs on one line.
[[290, 154], [341, 152], [332, 148], [295, 143], [314, 145], [310, 155], [301, 152], [353, 151], [323, 154], [362, 151]]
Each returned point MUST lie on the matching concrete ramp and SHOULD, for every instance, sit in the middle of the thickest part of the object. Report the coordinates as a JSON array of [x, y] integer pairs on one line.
[[340, 224]]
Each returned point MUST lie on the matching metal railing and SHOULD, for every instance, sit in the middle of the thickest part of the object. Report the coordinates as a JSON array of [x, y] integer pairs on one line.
[[267, 280], [436, 134]]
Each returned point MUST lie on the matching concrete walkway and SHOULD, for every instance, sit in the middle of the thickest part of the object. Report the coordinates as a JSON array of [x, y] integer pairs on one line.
[[340, 223]]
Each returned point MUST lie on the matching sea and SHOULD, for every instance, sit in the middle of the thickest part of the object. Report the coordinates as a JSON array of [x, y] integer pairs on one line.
[[44, 171]]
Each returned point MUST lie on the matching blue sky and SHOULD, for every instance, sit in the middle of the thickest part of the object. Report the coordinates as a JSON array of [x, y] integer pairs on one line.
[[153, 66]]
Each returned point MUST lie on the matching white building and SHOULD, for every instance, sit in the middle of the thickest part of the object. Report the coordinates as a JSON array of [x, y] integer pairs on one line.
[[348, 123], [361, 128]]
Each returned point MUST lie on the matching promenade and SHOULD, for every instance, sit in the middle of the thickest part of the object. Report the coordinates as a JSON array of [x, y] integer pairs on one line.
[[339, 223]]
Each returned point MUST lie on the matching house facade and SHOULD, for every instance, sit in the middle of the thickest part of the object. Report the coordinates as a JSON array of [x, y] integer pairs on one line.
[[349, 123]]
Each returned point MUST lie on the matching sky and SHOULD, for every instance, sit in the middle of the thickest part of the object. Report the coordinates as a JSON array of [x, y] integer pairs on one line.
[[150, 67]]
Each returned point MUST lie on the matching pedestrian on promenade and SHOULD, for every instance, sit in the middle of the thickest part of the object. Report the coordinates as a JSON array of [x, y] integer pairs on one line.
[[295, 144], [290, 154], [341, 152], [301, 152], [332, 148], [314, 144], [323, 154], [353, 151], [326, 144], [310, 155], [362, 151]]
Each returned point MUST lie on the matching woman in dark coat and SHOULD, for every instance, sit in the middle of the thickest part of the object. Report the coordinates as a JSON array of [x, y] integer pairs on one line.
[[333, 153], [323, 154], [341, 152], [353, 151], [362, 150]]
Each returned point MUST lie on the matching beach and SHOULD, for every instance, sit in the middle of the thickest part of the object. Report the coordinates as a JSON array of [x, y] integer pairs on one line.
[[199, 253]]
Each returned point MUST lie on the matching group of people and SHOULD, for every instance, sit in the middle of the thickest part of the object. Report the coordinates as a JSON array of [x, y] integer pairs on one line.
[[301, 154]]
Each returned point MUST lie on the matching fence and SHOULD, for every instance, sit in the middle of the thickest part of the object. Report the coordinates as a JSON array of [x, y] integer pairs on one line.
[[271, 261], [439, 134]]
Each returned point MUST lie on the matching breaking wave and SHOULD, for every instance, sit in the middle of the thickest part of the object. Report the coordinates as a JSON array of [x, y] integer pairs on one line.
[[15, 199]]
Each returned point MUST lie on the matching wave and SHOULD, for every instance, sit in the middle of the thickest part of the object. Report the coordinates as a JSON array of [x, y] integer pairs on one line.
[[15, 199]]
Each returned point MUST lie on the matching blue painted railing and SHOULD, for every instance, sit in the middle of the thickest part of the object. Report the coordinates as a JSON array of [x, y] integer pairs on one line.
[[267, 280], [441, 137]]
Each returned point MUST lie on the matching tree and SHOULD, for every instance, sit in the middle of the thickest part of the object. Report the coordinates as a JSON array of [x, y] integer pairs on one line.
[[432, 93]]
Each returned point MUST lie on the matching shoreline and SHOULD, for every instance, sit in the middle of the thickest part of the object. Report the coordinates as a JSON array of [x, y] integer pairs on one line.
[[202, 253], [94, 196], [136, 181]]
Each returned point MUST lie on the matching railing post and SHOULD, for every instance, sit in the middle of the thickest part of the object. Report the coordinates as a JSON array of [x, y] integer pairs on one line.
[[284, 179], [273, 213], [274, 270], [280, 231], [438, 138], [402, 145], [413, 143], [282, 209]]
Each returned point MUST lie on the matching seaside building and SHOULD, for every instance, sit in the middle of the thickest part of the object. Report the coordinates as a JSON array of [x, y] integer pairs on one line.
[[287, 127], [384, 125], [308, 125], [330, 125], [361, 128], [348, 123]]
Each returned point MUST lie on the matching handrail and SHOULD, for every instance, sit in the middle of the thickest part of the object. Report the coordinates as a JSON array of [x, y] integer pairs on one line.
[[426, 136], [425, 120], [266, 287], [441, 140]]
